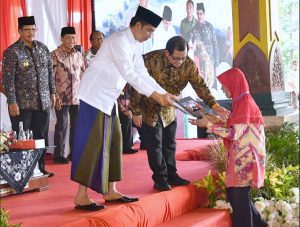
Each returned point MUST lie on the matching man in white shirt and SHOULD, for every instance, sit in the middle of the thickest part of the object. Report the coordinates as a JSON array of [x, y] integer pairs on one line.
[[165, 31], [293, 84], [97, 155]]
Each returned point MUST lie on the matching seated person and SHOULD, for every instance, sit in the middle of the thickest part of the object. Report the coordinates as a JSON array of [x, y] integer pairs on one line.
[[244, 139], [125, 116]]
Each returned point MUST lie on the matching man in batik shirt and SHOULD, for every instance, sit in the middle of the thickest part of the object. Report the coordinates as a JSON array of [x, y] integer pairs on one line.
[[28, 83], [172, 69], [68, 67], [205, 32], [96, 39]]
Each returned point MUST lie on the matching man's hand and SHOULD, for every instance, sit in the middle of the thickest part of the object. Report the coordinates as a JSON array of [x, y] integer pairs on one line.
[[221, 111], [58, 103], [52, 99], [137, 120], [165, 99], [128, 113], [14, 110]]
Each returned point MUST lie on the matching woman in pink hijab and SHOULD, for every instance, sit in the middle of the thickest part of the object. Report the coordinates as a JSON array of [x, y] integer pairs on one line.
[[243, 135]]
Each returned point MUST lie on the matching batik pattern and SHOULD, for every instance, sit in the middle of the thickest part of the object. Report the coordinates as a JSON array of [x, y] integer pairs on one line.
[[27, 75], [67, 70], [173, 80]]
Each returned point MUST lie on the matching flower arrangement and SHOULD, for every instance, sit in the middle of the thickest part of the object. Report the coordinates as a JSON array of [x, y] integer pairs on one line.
[[216, 192], [5, 139], [280, 212]]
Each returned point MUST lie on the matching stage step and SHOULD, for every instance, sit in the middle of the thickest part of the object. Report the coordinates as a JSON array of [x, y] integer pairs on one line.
[[200, 217]]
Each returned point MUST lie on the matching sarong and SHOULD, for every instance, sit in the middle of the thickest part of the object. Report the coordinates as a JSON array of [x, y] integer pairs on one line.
[[97, 150]]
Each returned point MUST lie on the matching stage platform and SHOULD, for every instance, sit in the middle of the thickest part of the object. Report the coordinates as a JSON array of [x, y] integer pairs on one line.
[[55, 207]]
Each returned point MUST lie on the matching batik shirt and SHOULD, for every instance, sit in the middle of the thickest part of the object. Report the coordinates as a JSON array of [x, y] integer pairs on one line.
[[246, 156], [207, 35], [27, 76], [89, 55], [67, 69], [186, 28], [171, 79]]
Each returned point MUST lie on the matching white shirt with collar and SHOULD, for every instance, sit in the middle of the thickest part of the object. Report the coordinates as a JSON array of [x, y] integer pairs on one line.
[[118, 61]]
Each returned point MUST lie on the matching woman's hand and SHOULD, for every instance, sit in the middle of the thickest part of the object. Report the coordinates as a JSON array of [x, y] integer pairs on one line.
[[202, 123], [212, 118]]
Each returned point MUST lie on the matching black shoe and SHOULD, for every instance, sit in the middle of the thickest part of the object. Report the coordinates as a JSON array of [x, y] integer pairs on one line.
[[130, 151], [124, 199], [162, 187], [178, 181], [61, 160], [91, 207], [47, 173]]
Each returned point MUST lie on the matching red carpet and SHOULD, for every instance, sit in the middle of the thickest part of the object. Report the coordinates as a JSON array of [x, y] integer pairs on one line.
[[55, 207]]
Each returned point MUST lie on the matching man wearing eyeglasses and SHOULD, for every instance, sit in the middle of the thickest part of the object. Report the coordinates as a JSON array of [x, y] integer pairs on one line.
[[172, 69], [96, 39], [29, 84], [68, 67]]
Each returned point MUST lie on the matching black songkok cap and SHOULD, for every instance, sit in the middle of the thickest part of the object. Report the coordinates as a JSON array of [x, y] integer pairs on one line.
[[167, 15], [26, 21], [67, 30], [148, 16], [200, 6]]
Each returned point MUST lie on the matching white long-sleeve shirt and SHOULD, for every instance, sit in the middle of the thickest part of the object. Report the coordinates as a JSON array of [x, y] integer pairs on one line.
[[117, 61]]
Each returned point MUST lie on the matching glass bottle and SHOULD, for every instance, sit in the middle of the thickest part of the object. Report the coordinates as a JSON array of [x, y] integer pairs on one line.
[[21, 132], [4, 127]]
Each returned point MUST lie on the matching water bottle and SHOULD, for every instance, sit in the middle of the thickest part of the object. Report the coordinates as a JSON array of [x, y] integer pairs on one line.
[[21, 132], [4, 127]]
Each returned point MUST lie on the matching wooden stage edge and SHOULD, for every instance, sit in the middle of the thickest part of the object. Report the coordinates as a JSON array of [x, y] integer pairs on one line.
[[37, 184]]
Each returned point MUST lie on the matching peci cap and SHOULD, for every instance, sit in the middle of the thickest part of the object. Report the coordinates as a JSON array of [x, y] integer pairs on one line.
[[67, 30], [200, 6], [148, 16], [167, 15], [26, 21]]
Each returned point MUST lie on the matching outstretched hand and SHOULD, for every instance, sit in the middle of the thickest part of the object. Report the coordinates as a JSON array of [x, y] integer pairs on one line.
[[202, 123]]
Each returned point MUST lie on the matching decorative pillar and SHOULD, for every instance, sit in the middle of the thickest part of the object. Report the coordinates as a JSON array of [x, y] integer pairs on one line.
[[257, 53]]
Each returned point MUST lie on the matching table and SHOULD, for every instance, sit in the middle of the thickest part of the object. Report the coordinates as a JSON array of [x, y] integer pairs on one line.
[[19, 170]]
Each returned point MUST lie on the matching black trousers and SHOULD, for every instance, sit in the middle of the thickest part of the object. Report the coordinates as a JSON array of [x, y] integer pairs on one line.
[[161, 146], [61, 128], [244, 212], [126, 126], [38, 122]]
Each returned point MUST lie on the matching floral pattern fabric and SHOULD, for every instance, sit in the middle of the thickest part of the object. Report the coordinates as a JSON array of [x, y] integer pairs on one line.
[[27, 76], [67, 70], [246, 155], [17, 167], [172, 80]]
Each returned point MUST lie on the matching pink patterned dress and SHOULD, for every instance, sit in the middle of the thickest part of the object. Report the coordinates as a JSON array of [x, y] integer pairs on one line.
[[246, 154]]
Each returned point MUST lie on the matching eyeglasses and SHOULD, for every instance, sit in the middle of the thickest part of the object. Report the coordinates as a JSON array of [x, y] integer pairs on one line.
[[178, 59], [98, 39], [30, 29]]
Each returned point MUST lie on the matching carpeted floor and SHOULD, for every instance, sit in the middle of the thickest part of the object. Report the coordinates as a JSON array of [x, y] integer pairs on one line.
[[55, 207]]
